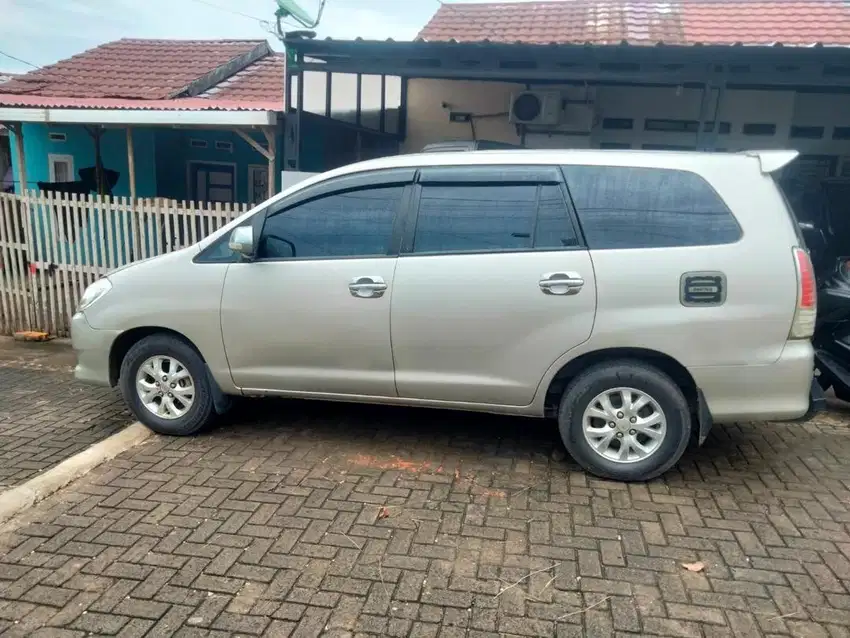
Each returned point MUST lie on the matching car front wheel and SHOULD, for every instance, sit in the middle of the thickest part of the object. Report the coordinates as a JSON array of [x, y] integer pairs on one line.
[[164, 382], [625, 420]]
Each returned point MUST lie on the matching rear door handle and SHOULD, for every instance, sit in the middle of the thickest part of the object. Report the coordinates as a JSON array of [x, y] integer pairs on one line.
[[367, 287], [561, 283]]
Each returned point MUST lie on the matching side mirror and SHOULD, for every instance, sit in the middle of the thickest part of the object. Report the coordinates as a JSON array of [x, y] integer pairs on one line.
[[242, 241]]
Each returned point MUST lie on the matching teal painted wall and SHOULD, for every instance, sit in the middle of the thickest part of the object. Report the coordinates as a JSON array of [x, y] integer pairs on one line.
[[80, 145], [83, 234], [174, 153], [162, 157]]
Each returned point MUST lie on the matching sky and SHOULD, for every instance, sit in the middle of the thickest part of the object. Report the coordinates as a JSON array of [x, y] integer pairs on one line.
[[44, 31]]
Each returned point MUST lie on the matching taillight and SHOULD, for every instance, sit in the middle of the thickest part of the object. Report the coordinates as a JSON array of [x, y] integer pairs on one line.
[[803, 325]]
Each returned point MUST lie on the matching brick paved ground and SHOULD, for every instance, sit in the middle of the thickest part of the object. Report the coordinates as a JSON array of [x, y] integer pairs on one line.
[[45, 416], [347, 520]]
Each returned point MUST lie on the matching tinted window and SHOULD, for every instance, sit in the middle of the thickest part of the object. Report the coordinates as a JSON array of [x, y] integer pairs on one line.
[[554, 226], [457, 218], [351, 224], [648, 208]]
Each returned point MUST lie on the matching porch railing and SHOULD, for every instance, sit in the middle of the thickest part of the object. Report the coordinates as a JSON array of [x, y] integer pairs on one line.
[[54, 245]]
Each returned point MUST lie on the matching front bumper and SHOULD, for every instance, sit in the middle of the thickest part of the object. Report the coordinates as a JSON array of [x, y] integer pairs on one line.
[[92, 347]]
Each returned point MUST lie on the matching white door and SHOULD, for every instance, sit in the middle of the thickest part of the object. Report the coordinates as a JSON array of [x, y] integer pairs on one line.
[[312, 313], [491, 288]]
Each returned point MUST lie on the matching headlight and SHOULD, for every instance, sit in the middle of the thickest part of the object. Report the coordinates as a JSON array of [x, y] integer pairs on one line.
[[93, 293]]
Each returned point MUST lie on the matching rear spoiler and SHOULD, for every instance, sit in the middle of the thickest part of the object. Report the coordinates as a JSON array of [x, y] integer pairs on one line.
[[772, 161]]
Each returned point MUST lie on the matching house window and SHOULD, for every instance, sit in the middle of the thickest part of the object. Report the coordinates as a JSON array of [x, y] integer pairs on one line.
[[667, 147], [618, 123], [61, 167], [224, 146], [807, 132], [57, 137], [198, 143], [724, 129], [673, 126], [759, 128]]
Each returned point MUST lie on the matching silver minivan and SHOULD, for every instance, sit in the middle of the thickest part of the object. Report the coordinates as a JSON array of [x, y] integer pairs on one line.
[[634, 297]]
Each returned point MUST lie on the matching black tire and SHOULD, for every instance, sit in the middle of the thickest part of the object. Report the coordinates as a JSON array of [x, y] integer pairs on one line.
[[639, 376], [201, 412], [841, 394]]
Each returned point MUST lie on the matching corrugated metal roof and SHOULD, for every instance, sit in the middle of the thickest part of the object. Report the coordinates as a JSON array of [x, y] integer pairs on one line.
[[645, 22], [177, 104]]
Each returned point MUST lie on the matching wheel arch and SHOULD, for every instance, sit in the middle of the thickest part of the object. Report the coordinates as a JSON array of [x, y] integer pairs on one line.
[[664, 362], [126, 340]]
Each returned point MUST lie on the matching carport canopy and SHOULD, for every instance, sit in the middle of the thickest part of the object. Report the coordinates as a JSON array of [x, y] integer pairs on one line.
[[711, 68]]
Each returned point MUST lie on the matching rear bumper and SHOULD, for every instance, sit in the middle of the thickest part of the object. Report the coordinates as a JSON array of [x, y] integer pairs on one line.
[[92, 347], [781, 391]]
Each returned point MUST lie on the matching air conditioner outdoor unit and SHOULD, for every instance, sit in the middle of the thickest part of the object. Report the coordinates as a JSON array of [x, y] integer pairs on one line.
[[540, 108]]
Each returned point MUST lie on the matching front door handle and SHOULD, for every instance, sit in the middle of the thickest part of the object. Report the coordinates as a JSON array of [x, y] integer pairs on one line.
[[367, 287], [561, 283]]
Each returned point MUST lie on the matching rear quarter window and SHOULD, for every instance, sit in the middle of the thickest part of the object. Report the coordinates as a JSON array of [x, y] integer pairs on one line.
[[624, 207]]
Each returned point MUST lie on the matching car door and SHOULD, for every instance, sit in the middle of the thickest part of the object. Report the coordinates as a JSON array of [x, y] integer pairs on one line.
[[311, 313], [492, 286]]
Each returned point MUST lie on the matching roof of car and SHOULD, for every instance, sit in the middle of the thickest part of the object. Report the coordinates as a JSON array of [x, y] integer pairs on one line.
[[526, 156], [767, 161]]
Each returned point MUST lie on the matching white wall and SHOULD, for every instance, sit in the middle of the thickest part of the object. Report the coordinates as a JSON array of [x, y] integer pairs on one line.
[[429, 122]]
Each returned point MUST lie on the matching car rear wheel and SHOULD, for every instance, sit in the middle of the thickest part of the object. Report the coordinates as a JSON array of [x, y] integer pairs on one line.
[[164, 382], [625, 420]]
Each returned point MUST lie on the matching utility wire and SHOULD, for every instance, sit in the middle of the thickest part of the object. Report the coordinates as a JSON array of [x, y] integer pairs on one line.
[[12, 57], [265, 24], [60, 76], [229, 10]]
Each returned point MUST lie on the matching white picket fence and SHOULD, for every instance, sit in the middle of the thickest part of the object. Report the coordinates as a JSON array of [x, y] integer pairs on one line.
[[54, 245]]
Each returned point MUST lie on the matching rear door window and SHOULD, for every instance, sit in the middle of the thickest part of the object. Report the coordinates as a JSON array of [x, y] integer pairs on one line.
[[625, 207], [492, 217]]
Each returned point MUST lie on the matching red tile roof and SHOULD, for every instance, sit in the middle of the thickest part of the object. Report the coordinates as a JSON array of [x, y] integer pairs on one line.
[[263, 80], [152, 74], [645, 22]]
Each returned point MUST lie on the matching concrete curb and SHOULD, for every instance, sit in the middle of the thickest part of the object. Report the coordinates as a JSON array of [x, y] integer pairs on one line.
[[21, 497]]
